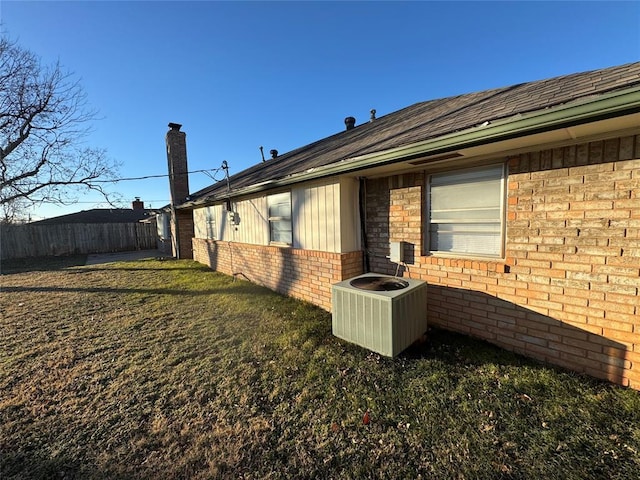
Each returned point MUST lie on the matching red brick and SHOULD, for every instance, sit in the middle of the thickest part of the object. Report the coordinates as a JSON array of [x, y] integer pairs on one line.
[[552, 268]]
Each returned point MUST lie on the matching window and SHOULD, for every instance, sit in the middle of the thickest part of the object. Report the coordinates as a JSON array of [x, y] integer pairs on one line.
[[466, 211], [280, 218]]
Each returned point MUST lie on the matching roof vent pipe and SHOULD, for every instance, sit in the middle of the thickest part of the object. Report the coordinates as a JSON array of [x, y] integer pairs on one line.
[[373, 114], [350, 122], [274, 153]]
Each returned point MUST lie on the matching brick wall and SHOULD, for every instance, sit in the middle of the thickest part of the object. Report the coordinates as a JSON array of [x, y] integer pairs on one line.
[[184, 221], [568, 291], [303, 274]]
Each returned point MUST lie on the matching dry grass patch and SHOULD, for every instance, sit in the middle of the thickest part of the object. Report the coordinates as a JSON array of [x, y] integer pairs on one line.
[[167, 370]]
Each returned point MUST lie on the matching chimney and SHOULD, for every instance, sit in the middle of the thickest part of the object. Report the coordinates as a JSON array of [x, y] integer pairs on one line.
[[181, 220], [350, 122], [177, 158], [137, 204]]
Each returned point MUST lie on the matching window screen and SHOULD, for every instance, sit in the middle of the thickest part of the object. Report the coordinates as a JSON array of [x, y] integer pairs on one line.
[[466, 211], [280, 218]]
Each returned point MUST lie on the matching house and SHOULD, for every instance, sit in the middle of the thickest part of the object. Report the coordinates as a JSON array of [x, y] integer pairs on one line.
[[519, 206], [137, 213]]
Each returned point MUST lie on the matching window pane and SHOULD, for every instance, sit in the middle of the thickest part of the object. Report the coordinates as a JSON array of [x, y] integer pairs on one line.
[[466, 212], [468, 242], [279, 210], [478, 238], [280, 231], [462, 214], [279, 207]]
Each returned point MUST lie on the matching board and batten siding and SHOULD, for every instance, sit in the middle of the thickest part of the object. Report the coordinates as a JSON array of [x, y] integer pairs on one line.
[[350, 214], [200, 222], [253, 223], [324, 218]]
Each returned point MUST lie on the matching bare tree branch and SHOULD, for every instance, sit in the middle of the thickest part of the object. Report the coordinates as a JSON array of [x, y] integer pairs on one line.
[[44, 117]]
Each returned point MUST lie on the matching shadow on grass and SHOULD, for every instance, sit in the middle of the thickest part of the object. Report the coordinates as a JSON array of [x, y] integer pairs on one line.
[[461, 352], [12, 465], [50, 264], [459, 349], [40, 264], [125, 267], [146, 291]]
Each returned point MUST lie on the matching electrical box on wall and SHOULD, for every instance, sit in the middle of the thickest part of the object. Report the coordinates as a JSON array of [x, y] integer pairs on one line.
[[396, 252]]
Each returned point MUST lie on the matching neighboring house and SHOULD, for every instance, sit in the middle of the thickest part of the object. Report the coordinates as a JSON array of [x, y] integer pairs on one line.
[[137, 213], [519, 206]]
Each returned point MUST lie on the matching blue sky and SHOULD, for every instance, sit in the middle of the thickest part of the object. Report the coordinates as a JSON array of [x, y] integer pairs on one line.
[[239, 75]]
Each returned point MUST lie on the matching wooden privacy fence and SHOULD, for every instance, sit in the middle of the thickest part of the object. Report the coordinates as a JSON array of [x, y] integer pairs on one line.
[[20, 241]]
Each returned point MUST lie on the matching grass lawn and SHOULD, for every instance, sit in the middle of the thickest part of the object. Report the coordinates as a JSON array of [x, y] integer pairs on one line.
[[165, 369]]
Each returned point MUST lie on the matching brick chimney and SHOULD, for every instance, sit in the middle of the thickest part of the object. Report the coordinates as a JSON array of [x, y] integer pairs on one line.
[[137, 204], [177, 159], [181, 220]]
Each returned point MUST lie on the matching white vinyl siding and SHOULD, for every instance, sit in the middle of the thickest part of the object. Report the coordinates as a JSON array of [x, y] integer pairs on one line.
[[163, 224], [326, 216], [466, 211], [279, 213], [206, 223], [253, 225], [347, 215], [320, 216], [317, 220], [211, 223]]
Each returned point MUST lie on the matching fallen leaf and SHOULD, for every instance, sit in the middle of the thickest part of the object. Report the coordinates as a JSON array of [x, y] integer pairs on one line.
[[366, 418]]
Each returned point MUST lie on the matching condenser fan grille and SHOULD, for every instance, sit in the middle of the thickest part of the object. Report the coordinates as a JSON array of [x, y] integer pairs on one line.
[[379, 284]]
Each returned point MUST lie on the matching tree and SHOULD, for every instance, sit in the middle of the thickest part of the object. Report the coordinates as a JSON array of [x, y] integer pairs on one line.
[[43, 120], [13, 212]]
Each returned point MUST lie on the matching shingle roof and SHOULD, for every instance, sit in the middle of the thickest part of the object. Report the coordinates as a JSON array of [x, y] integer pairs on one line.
[[434, 118], [100, 215]]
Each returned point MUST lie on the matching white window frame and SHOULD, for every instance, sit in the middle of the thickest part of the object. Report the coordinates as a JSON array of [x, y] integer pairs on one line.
[[281, 216], [465, 226]]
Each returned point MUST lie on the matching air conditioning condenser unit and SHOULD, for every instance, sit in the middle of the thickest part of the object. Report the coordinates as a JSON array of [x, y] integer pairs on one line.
[[382, 313]]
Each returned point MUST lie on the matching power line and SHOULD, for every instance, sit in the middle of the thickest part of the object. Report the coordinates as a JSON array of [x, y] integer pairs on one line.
[[207, 172], [95, 202], [146, 177]]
